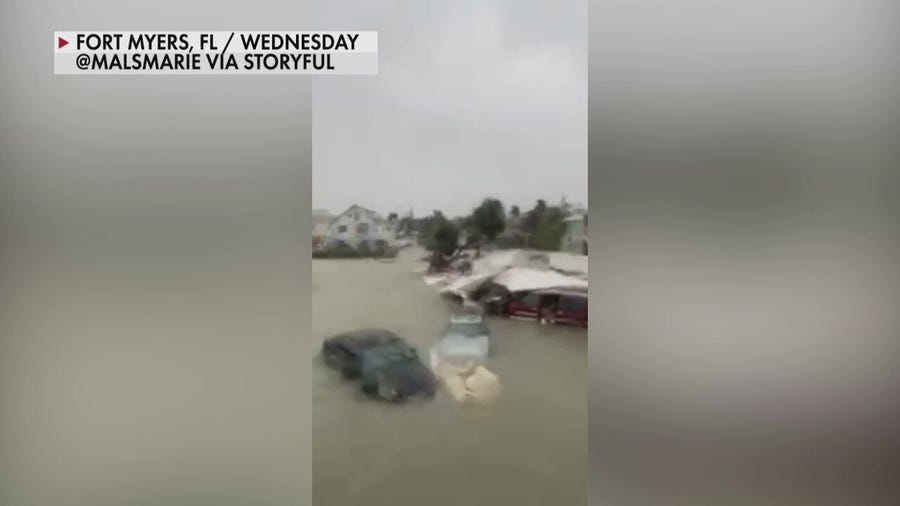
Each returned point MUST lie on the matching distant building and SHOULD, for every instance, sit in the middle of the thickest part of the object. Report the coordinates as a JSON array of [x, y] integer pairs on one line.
[[320, 222], [358, 225], [574, 238]]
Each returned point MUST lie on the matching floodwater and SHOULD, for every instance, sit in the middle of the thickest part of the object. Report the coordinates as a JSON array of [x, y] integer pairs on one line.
[[528, 448]]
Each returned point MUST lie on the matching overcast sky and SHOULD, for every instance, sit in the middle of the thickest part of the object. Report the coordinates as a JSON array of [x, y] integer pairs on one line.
[[474, 98]]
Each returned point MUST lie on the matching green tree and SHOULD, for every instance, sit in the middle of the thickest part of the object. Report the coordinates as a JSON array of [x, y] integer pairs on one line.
[[534, 216], [445, 237], [545, 226], [407, 223], [489, 218], [437, 233], [427, 224], [514, 211]]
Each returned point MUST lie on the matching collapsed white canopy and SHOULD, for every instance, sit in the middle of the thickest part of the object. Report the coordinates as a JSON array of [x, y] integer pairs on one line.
[[466, 284], [576, 265], [517, 279]]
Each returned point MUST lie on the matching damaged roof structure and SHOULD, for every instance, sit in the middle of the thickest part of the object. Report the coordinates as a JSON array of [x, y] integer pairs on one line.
[[517, 271], [567, 263], [519, 279]]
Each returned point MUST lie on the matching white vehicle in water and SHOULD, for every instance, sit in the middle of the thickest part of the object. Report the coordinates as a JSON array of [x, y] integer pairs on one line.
[[466, 340], [457, 360]]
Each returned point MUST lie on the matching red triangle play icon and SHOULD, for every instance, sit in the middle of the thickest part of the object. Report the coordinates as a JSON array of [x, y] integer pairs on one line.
[[62, 42]]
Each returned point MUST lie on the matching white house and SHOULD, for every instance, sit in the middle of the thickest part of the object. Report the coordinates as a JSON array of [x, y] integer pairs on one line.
[[357, 225]]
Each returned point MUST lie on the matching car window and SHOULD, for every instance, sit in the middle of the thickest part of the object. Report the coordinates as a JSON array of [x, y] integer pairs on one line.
[[530, 300], [468, 329], [387, 354], [572, 304]]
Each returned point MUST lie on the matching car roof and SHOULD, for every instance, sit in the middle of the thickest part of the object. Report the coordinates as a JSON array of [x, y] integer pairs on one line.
[[466, 318], [364, 338], [392, 352]]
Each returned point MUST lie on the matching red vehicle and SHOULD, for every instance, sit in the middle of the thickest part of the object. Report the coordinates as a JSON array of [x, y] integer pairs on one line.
[[551, 306]]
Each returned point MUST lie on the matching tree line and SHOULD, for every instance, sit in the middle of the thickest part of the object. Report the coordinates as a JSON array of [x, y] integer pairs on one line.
[[541, 227]]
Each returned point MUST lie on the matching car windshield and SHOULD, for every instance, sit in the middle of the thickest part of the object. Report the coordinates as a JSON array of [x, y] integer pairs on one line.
[[468, 329], [387, 354]]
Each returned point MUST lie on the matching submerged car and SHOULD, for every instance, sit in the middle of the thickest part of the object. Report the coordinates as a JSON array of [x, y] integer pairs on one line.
[[549, 306], [466, 339], [387, 366], [344, 352], [393, 372]]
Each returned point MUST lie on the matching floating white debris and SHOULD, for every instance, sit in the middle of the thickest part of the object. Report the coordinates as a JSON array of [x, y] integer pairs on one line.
[[483, 386], [436, 279], [456, 387], [471, 382]]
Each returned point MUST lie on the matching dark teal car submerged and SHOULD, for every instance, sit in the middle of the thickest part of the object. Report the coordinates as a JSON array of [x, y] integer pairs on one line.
[[387, 366]]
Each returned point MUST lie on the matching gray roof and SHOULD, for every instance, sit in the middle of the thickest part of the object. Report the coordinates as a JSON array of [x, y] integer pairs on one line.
[[374, 215]]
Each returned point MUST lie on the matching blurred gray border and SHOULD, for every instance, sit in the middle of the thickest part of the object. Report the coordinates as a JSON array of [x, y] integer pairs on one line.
[[743, 244], [154, 270]]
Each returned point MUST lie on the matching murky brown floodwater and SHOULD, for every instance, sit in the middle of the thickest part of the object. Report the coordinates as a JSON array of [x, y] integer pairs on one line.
[[529, 448]]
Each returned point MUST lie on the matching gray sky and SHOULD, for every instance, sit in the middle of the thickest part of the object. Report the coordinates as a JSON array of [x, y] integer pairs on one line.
[[473, 99]]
